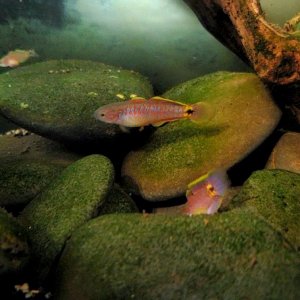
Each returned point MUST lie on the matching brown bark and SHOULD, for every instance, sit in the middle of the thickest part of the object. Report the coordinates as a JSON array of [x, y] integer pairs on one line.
[[273, 52]]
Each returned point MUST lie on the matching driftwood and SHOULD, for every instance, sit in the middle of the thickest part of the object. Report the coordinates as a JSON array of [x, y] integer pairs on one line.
[[273, 52]]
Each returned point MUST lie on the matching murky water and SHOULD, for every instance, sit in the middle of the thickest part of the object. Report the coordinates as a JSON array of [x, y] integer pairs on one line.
[[279, 11], [162, 39]]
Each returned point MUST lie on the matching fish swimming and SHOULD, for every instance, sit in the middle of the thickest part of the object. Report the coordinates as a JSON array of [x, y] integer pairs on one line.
[[15, 58], [205, 194], [139, 112]]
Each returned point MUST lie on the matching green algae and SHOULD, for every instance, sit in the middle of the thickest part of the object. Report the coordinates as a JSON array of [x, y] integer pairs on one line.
[[70, 200], [14, 250], [52, 98], [274, 195], [21, 180], [117, 202], [182, 151], [234, 255], [28, 165]]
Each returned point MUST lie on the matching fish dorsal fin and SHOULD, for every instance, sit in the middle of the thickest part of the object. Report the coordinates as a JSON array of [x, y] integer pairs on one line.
[[217, 178], [165, 100], [137, 100], [196, 182]]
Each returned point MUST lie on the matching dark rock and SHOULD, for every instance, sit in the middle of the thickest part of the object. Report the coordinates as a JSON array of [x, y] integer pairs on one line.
[[28, 164], [14, 251], [118, 202], [71, 199]]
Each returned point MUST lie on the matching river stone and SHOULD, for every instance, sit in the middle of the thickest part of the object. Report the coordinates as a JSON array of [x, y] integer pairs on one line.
[[57, 99], [182, 151], [274, 195], [71, 199], [14, 251], [286, 154], [234, 255], [28, 164], [117, 202]]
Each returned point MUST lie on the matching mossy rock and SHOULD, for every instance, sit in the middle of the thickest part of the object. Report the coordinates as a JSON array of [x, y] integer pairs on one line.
[[286, 154], [233, 255], [275, 196], [117, 202], [71, 199], [57, 99], [28, 164], [182, 151], [14, 250]]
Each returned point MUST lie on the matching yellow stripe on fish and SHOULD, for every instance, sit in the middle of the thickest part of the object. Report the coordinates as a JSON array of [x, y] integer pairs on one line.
[[156, 111]]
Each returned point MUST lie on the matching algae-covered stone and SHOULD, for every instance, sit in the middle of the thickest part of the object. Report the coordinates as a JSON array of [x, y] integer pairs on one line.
[[118, 202], [57, 99], [28, 164], [286, 154], [71, 199], [275, 196], [182, 151], [230, 256], [14, 251]]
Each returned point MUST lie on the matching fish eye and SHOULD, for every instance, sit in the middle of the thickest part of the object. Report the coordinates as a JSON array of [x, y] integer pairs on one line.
[[210, 188], [102, 115], [190, 111]]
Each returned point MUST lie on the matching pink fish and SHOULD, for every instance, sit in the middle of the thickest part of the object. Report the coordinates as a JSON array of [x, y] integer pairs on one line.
[[139, 112], [205, 194], [14, 58]]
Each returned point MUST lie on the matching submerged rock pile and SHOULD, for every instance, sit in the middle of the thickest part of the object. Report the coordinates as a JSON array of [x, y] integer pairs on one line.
[[182, 151], [62, 96], [77, 205]]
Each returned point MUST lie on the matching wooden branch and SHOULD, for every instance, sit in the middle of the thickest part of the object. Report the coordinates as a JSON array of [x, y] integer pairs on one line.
[[273, 52]]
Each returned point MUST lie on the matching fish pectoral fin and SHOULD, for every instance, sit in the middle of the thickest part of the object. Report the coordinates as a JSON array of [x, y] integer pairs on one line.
[[124, 129], [158, 124]]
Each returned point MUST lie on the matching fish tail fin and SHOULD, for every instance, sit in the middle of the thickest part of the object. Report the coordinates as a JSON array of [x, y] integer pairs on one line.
[[201, 112], [32, 53]]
